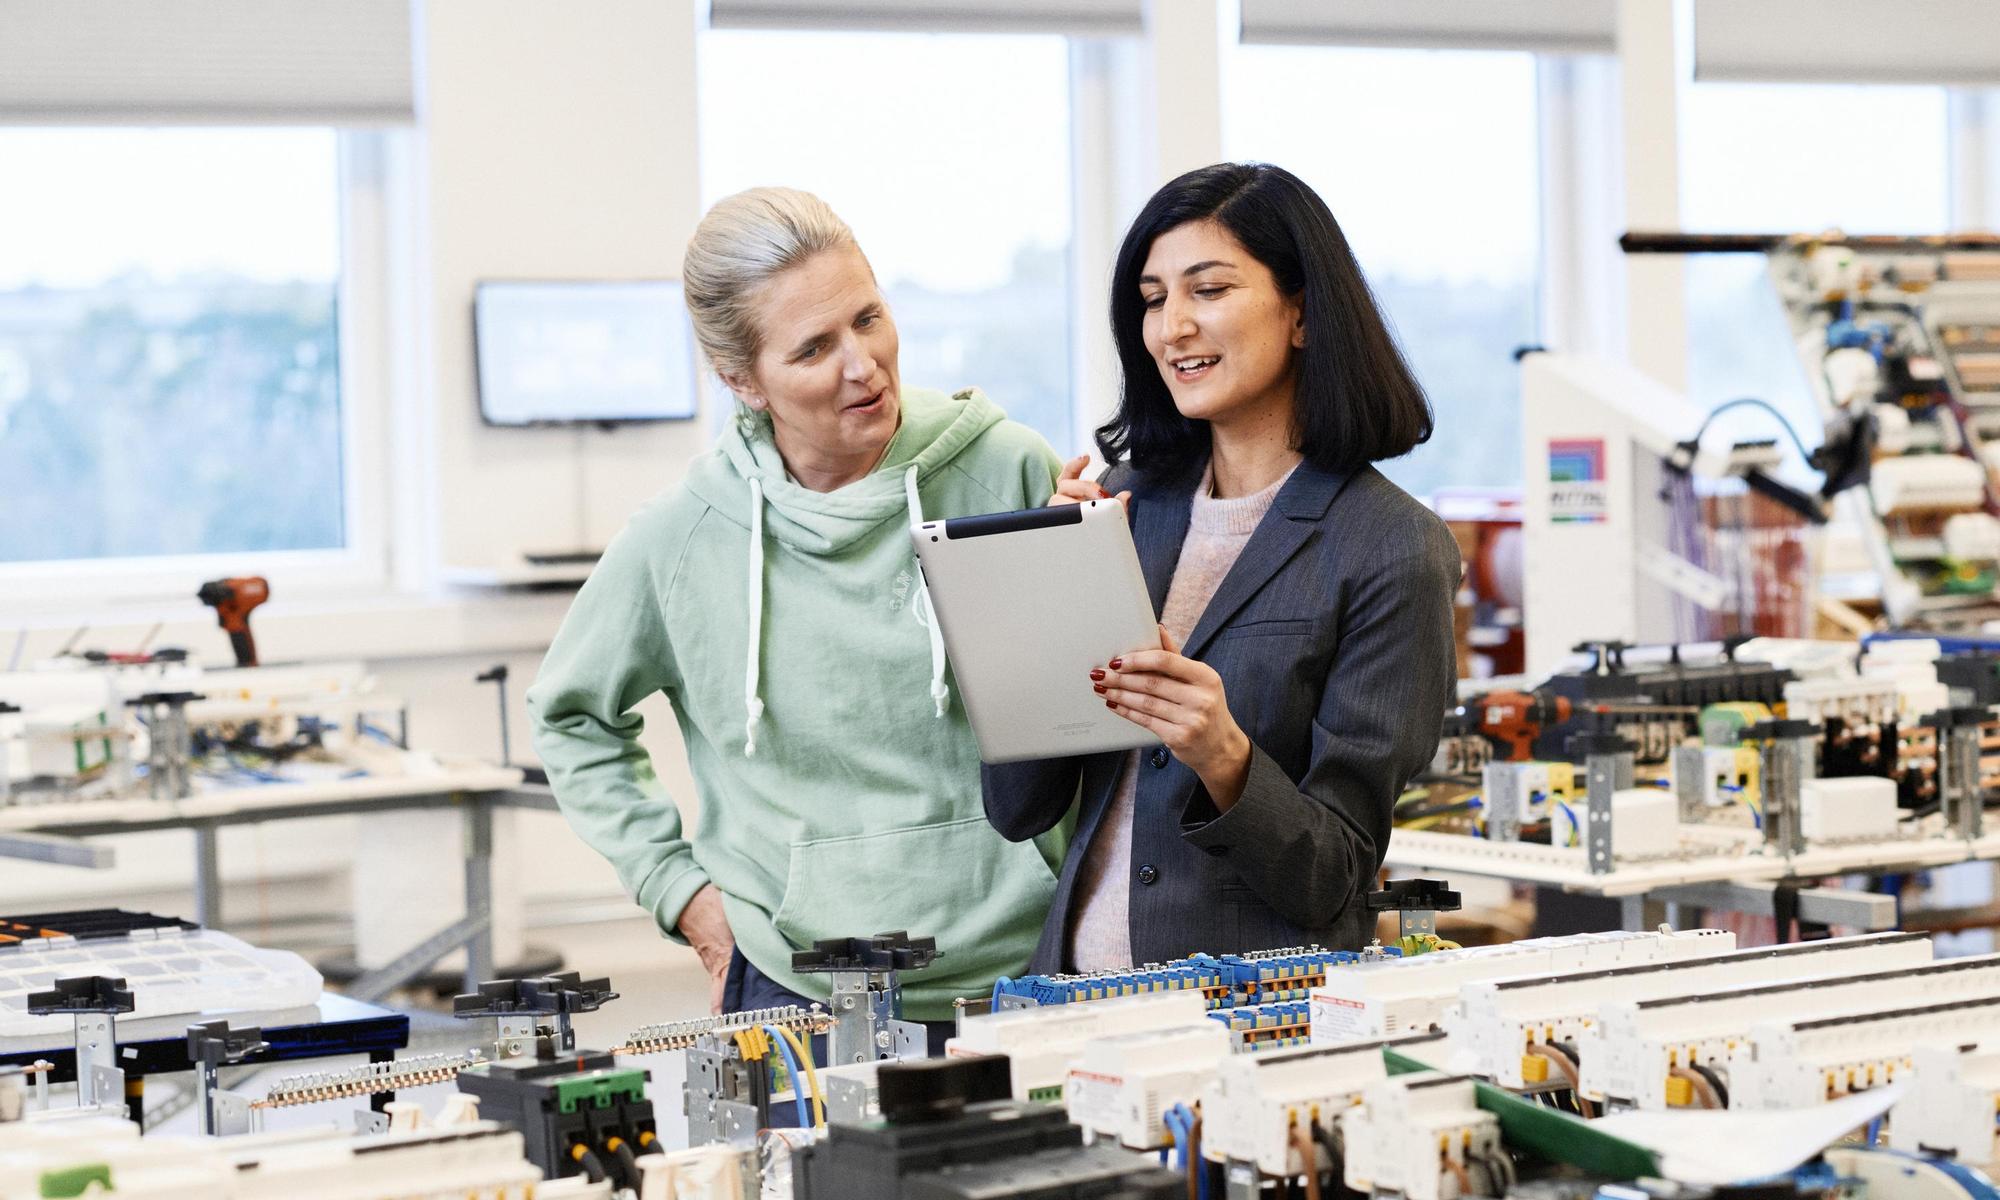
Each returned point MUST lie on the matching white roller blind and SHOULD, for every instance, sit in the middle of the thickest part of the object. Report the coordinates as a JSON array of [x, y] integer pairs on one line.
[[1848, 41], [1550, 26], [1082, 18], [210, 62]]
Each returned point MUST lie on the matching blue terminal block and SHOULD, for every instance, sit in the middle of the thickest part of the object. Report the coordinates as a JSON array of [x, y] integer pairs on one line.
[[1267, 1026], [1230, 981]]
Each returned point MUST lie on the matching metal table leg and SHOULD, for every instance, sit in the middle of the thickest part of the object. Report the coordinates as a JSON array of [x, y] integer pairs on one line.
[[479, 890], [207, 875]]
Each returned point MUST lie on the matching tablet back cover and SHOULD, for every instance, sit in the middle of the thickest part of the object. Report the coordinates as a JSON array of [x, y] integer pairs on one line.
[[1028, 603]]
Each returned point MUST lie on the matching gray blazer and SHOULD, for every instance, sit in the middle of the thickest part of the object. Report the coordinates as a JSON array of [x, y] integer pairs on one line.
[[1333, 637]]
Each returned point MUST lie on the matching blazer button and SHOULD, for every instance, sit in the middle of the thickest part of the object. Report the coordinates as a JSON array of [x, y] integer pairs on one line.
[[1148, 874], [1160, 758]]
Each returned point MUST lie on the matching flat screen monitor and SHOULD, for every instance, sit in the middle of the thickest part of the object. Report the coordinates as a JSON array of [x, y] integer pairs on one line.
[[583, 352]]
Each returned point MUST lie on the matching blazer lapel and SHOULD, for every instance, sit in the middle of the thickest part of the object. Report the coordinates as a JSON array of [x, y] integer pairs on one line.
[[1159, 526], [1293, 520]]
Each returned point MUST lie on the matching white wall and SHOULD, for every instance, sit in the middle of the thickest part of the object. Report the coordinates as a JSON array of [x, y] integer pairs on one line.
[[558, 143]]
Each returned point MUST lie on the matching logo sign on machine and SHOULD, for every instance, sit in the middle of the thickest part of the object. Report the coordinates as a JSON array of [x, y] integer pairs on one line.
[[1578, 494]]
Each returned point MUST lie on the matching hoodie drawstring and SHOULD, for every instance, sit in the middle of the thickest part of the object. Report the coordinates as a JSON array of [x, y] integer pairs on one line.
[[921, 608], [753, 703]]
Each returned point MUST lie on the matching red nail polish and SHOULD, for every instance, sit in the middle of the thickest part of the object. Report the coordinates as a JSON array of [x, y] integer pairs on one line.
[[1117, 664], [1098, 688], [1096, 674], [1111, 704]]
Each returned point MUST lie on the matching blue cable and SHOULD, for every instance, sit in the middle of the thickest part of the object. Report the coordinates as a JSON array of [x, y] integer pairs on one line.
[[1180, 1123], [792, 1068], [1575, 830]]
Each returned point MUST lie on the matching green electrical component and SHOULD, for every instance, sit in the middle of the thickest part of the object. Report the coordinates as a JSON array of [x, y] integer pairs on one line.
[[1722, 724], [1552, 1136], [600, 1089], [75, 1181]]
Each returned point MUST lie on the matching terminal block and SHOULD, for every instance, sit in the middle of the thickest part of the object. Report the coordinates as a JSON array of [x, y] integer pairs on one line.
[[1230, 981], [581, 1114], [949, 1132], [516, 1004], [867, 999], [96, 1001]]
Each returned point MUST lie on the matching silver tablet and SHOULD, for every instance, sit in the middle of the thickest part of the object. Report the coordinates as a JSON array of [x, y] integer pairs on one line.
[[1028, 603]]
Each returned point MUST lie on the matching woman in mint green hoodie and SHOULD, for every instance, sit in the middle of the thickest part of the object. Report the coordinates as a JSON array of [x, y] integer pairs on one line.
[[775, 599]]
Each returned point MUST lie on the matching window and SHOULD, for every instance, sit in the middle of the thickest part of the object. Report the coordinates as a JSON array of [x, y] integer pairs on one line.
[[1793, 158], [1428, 159], [169, 374], [949, 155]]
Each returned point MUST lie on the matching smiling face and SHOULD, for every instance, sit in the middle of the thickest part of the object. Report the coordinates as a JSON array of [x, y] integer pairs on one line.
[[825, 368], [1225, 338]]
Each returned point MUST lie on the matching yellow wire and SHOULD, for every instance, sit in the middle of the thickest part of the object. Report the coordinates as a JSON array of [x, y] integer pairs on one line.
[[804, 1052]]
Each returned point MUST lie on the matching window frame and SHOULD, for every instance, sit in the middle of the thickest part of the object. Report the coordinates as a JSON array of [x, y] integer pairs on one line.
[[1103, 69], [361, 305]]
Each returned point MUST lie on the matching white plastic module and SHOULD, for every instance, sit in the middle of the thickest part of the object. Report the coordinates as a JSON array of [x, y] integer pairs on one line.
[[1636, 1042], [1853, 699], [1401, 995], [1248, 1112], [1795, 1063], [1948, 1108], [1408, 1127], [1725, 767], [1122, 1085], [1645, 823], [483, 1160], [1043, 1043], [1497, 1020], [170, 972], [1912, 666], [1916, 482], [1973, 537], [1857, 808]]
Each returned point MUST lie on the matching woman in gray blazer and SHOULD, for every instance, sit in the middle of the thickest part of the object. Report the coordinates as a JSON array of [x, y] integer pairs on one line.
[[1305, 600]]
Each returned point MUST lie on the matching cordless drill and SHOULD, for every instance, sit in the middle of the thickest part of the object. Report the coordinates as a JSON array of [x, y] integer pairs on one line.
[[232, 600], [1512, 721]]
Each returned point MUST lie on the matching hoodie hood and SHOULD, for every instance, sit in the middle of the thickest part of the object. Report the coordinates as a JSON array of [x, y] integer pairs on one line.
[[935, 429], [745, 481]]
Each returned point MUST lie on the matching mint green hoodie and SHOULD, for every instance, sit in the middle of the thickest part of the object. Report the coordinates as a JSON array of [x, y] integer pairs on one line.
[[837, 776]]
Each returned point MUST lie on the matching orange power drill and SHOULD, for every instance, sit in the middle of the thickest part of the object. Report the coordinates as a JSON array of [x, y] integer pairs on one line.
[[232, 600], [1513, 720]]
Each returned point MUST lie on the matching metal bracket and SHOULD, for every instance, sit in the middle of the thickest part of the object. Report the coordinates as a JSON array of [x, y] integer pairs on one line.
[[909, 1039], [95, 1001], [1600, 784], [1960, 792], [406, 966], [210, 1045], [737, 1123], [53, 848], [1690, 764], [1787, 761], [1867, 911]]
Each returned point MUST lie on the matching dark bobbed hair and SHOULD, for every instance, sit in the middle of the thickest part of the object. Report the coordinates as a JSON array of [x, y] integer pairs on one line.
[[1357, 401]]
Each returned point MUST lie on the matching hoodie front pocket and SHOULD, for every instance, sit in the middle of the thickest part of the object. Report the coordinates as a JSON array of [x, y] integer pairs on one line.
[[957, 881]]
